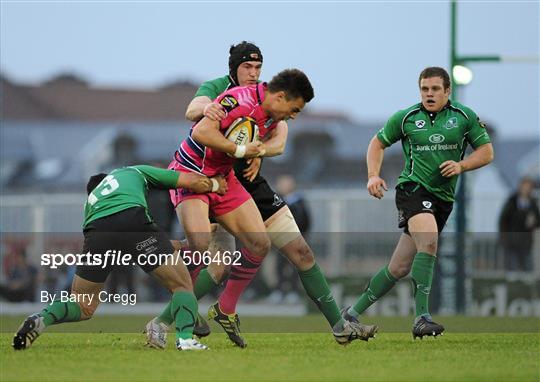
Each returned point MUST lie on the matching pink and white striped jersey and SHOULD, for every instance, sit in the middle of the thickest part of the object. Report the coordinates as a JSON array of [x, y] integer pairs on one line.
[[242, 101]]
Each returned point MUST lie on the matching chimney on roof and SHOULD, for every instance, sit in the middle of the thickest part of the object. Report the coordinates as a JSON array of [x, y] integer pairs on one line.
[[66, 79]]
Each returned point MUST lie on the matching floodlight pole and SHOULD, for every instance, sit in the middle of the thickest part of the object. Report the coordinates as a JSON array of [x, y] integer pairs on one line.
[[461, 196]]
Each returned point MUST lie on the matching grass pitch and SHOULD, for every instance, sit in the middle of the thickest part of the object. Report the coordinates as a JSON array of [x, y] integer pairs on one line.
[[472, 349]]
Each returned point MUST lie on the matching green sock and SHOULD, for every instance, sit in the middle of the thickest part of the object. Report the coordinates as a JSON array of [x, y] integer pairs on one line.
[[184, 310], [422, 276], [59, 312], [166, 316], [318, 290], [377, 287], [204, 284]]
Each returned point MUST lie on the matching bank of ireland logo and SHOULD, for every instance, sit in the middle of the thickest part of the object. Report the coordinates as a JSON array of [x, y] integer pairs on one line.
[[426, 204], [420, 123], [436, 138], [451, 123]]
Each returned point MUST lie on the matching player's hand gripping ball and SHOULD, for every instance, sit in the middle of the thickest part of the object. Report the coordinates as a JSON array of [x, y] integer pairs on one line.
[[242, 131]]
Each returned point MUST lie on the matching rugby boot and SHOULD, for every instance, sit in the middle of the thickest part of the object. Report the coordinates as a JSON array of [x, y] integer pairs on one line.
[[425, 326], [229, 322], [350, 331], [201, 328], [28, 332], [189, 344], [156, 334]]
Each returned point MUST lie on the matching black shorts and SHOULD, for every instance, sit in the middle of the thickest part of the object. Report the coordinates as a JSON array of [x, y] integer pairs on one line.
[[127, 232], [268, 202], [413, 199]]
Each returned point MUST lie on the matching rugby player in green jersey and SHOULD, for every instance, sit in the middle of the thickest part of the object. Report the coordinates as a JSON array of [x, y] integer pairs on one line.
[[245, 64], [434, 135], [117, 221]]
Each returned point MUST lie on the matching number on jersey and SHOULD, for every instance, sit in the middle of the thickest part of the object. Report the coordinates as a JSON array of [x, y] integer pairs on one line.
[[107, 185]]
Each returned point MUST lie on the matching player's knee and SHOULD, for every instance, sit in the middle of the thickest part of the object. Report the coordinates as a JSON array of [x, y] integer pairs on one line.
[[303, 257], [428, 246], [199, 242], [178, 284], [398, 271], [260, 245], [219, 274]]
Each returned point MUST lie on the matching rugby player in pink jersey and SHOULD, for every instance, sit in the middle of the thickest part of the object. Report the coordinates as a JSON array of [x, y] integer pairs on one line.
[[207, 151], [248, 55]]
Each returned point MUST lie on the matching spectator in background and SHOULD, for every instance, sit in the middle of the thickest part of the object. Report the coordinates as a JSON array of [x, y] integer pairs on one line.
[[20, 277], [287, 287], [519, 218]]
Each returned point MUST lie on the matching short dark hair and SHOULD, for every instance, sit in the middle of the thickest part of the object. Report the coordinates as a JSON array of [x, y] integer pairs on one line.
[[435, 71], [93, 182], [294, 83]]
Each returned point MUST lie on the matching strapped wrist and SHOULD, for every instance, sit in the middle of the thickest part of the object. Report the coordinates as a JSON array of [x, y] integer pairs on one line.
[[215, 185], [240, 151]]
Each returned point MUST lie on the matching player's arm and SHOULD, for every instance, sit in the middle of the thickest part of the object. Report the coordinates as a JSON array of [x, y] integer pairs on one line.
[[167, 179], [274, 145], [277, 140], [480, 157], [375, 155], [389, 134], [202, 106], [207, 133], [201, 184]]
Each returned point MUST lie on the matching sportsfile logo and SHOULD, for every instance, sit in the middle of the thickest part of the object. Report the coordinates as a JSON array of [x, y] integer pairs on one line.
[[119, 258]]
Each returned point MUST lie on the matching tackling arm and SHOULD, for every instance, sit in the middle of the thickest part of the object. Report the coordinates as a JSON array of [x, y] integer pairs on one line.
[[195, 109], [275, 144]]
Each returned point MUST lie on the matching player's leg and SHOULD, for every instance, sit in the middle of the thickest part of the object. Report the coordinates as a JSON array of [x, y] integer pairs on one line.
[[386, 277], [209, 277], [286, 237], [246, 224], [183, 308], [424, 232], [80, 305], [193, 214], [88, 281]]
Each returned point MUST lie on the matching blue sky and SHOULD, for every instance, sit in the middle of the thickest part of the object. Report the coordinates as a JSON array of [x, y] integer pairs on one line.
[[363, 58]]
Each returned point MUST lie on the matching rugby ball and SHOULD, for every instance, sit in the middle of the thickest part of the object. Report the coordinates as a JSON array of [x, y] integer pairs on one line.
[[242, 131]]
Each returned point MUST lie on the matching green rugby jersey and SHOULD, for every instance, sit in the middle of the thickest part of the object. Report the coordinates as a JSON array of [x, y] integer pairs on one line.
[[429, 139], [213, 88], [125, 188]]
